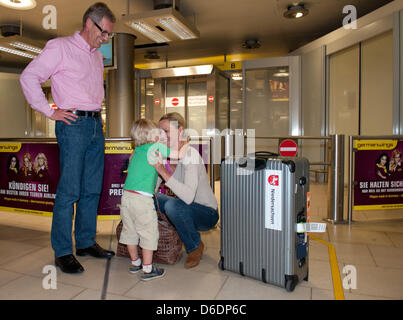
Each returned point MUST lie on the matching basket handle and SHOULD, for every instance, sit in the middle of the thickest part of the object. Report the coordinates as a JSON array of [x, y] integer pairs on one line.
[[159, 213]]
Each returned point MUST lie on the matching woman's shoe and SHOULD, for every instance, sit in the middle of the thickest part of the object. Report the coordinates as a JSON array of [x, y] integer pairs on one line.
[[194, 257]]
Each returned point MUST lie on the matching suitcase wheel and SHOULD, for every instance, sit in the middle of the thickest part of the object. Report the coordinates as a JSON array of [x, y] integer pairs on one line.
[[290, 282], [221, 264], [307, 275]]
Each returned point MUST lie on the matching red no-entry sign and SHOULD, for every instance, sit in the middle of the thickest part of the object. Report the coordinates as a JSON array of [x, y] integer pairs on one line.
[[288, 148], [175, 101]]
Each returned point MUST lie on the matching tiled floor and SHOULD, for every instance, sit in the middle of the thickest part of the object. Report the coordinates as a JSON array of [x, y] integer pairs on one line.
[[373, 244]]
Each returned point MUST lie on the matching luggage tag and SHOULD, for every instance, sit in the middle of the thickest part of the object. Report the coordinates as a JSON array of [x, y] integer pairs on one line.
[[311, 227]]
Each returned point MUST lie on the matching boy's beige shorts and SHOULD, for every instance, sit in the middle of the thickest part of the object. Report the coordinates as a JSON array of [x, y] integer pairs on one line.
[[140, 221]]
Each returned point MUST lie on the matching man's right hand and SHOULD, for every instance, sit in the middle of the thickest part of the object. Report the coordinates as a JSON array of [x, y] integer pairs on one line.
[[63, 115]]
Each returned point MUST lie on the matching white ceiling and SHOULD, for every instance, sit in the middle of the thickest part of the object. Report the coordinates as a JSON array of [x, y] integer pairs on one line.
[[223, 24]]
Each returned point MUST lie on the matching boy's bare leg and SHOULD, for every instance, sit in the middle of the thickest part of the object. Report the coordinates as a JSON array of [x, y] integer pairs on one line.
[[147, 256], [133, 252]]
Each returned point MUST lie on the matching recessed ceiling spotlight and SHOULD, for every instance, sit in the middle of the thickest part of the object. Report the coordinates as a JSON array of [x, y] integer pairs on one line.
[[296, 11], [251, 44], [19, 4]]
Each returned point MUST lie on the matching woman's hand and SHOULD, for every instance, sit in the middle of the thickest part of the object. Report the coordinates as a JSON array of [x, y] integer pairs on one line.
[[155, 159]]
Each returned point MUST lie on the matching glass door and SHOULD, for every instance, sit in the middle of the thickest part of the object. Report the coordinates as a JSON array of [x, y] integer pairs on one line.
[[175, 96], [272, 99], [197, 104]]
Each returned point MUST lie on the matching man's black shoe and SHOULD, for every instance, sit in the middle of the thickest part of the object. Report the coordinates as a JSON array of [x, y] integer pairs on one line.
[[96, 251], [69, 264]]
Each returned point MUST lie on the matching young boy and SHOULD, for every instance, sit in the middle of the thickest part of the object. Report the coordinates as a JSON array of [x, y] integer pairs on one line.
[[140, 222]]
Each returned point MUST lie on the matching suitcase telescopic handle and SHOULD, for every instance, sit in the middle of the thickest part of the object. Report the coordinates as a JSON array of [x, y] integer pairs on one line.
[[265, 154], [260, 159]]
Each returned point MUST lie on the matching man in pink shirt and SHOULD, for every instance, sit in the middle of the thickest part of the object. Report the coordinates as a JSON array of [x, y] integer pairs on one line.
[[75, 68]]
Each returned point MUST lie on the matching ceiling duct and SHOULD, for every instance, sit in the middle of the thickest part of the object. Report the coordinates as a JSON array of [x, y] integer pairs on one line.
[[162, 25], [163, 4]]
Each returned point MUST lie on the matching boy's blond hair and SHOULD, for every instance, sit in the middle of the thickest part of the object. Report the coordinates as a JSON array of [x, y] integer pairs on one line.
[[142, 130]]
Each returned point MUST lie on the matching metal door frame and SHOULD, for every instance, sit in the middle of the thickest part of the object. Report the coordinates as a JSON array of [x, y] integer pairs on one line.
[[210, 86]]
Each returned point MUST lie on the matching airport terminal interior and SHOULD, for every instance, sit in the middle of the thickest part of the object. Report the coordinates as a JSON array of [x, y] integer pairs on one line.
[[313, 79]]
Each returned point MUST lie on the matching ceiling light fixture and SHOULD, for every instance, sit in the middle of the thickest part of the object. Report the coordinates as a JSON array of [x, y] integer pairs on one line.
[[182, 71], [148, 31], [176, 27], [18, 4], [296, 11], [162, 25], [27, 47], [281, 74], [17, 52], [21, 46]]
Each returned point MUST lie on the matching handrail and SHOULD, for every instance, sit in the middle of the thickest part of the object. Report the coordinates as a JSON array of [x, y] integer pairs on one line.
[[55, 140], [297, 137], [388, 137], [244, 133]]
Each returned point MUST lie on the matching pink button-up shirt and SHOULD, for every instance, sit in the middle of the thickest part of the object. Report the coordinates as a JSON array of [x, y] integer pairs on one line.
[[76, 74]]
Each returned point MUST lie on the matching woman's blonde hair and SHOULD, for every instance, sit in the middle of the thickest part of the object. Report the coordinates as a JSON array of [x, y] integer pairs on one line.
[[45, 161], [178, 121], [142, 130], [395, 153], [175, 117]]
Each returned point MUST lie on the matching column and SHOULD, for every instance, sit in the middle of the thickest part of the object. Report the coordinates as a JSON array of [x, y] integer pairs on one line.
[[120, 97]]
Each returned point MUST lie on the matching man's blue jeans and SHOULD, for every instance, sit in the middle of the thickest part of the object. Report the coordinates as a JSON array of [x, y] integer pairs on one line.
[[188, 219], [81, 147]]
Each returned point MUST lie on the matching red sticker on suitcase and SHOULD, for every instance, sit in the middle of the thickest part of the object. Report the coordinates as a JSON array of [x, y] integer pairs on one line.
[[273, 180]]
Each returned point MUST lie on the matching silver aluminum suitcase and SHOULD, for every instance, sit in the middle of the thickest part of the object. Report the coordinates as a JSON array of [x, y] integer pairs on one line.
[[263, 197]]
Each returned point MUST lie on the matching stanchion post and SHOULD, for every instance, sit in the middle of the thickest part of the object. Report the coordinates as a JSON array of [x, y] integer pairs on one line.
[[336, 180], [211, 164], [350, 178]]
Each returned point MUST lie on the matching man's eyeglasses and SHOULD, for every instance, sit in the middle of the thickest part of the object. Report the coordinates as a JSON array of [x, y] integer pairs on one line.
[[104, 33]]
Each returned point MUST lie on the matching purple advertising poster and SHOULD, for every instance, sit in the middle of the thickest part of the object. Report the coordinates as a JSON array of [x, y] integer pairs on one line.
[[29, 176], [117, 156], [378, 174], [30, 173]]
